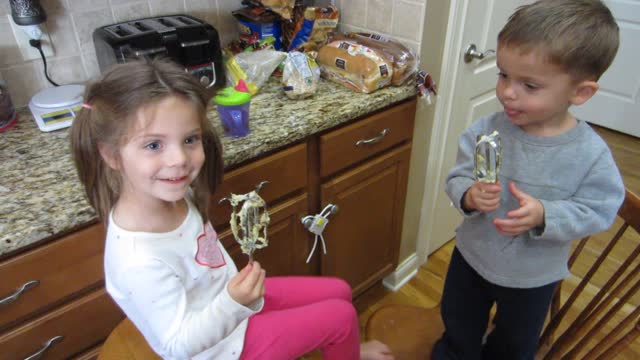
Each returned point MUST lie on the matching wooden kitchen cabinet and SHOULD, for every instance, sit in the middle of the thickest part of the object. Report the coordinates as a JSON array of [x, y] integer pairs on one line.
[[76, 326], [363, 237], [57, 270], [69, 299], [285, 193], [361, 167]]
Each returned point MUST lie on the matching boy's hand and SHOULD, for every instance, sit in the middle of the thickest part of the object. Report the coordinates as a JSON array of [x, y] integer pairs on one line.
[[481, 196], [529, 215], [248, 285]]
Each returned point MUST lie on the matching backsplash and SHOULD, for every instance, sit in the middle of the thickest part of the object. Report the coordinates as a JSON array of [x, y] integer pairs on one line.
[[70, 24]]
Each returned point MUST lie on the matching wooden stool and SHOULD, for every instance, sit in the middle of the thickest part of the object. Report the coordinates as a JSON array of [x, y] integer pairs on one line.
[[126, 343], [410, 331]]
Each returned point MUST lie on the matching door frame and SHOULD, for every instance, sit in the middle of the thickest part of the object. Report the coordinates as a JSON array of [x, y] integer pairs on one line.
[[443, 109]]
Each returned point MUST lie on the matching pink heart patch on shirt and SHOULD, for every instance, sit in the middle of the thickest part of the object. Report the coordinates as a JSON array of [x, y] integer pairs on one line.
[[209, 253]]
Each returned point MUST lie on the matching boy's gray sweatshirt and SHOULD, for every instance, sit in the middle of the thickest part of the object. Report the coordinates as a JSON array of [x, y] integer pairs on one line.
[[572, 174]]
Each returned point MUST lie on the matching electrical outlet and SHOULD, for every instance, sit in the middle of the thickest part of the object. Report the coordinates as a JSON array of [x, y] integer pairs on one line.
[[28, 51]]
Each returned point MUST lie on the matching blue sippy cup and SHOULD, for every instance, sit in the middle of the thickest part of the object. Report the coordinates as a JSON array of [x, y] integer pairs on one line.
[[233, 109]]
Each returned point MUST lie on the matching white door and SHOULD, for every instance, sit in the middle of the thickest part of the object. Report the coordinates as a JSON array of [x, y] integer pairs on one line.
[[468, 92], [617, 104]]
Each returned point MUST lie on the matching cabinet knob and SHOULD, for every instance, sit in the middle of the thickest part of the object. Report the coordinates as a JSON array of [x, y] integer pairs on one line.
[[315, 224], [13, 297], [46, 346], [330, 209]]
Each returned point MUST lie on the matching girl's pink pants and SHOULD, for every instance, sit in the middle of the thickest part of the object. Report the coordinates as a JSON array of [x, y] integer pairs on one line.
[[301, 314]]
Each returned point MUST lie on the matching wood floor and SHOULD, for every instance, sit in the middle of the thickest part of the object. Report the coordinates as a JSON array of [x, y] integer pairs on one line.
[[425, 288]]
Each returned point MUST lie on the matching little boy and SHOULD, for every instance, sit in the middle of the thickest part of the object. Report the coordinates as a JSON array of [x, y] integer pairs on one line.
[[558, 181]]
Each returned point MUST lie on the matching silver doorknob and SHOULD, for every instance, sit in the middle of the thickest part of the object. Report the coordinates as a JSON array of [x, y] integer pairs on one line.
[[472, 53]]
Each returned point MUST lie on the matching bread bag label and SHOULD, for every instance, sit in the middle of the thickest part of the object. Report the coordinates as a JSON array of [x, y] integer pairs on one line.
[[384, 71]]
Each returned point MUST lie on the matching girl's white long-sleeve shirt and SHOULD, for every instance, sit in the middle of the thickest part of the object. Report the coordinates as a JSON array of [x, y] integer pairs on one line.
[[173, 287]]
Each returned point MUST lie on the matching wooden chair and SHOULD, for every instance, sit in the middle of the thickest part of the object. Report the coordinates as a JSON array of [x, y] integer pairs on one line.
[[599, 317], [589, 324], [410, 331], [126, 343]]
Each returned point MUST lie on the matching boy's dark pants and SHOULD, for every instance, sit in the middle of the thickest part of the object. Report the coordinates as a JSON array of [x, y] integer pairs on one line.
[[466, 304]]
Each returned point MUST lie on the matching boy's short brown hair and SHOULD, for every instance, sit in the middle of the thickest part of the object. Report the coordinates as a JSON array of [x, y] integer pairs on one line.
[[580, 35]]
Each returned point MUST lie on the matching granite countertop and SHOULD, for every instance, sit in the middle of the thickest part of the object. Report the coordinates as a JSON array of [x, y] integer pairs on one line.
[[40, 195]]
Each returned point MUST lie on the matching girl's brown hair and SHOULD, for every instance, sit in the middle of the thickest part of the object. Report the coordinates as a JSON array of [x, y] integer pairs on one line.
[[111, 106]]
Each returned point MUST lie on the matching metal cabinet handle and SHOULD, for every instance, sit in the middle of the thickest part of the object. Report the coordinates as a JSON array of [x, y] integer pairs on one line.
[[47, 345], [472, 53], [261, 185], [374, 140], [13, 297], [258, 188]]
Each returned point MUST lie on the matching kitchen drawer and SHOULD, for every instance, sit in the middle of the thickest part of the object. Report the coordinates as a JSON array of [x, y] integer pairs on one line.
[[82, 324], [286, 172], [353, 143], [61, 268]]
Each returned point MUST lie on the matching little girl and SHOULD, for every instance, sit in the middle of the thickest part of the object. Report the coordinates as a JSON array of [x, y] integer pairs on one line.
[[149, 160]]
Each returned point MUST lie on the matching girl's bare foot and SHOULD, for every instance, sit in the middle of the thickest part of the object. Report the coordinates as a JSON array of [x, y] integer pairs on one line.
[[375, 350]]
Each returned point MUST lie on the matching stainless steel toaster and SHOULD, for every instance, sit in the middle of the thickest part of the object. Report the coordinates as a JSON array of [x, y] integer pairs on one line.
[[185, 39]]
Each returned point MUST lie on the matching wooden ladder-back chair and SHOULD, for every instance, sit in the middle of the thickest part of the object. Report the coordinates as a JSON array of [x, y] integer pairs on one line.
[[411, 331], [599, 317]]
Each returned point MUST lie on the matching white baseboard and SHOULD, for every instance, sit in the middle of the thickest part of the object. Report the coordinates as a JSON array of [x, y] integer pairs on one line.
[[403, 273]]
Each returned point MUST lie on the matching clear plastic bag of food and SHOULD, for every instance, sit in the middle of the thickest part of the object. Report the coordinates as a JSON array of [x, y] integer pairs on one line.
[[300, 75], [253, 67]]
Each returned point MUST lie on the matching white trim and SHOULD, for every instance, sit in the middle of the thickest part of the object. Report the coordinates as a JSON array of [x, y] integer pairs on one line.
[[403, 273], [444, 107]]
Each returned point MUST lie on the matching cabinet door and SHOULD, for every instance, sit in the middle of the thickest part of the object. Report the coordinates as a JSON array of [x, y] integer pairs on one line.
[[288, 241], [363, 237]]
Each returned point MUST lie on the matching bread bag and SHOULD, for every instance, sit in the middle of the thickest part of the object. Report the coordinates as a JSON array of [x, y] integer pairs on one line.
[[404, 61], [354, 65]]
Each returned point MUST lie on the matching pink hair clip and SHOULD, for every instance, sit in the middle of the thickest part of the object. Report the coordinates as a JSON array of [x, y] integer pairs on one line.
[[87, 106]]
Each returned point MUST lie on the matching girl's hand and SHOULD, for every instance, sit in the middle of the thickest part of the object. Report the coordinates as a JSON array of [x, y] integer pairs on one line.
[[481, 196], [248, 285], [529, 215]]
